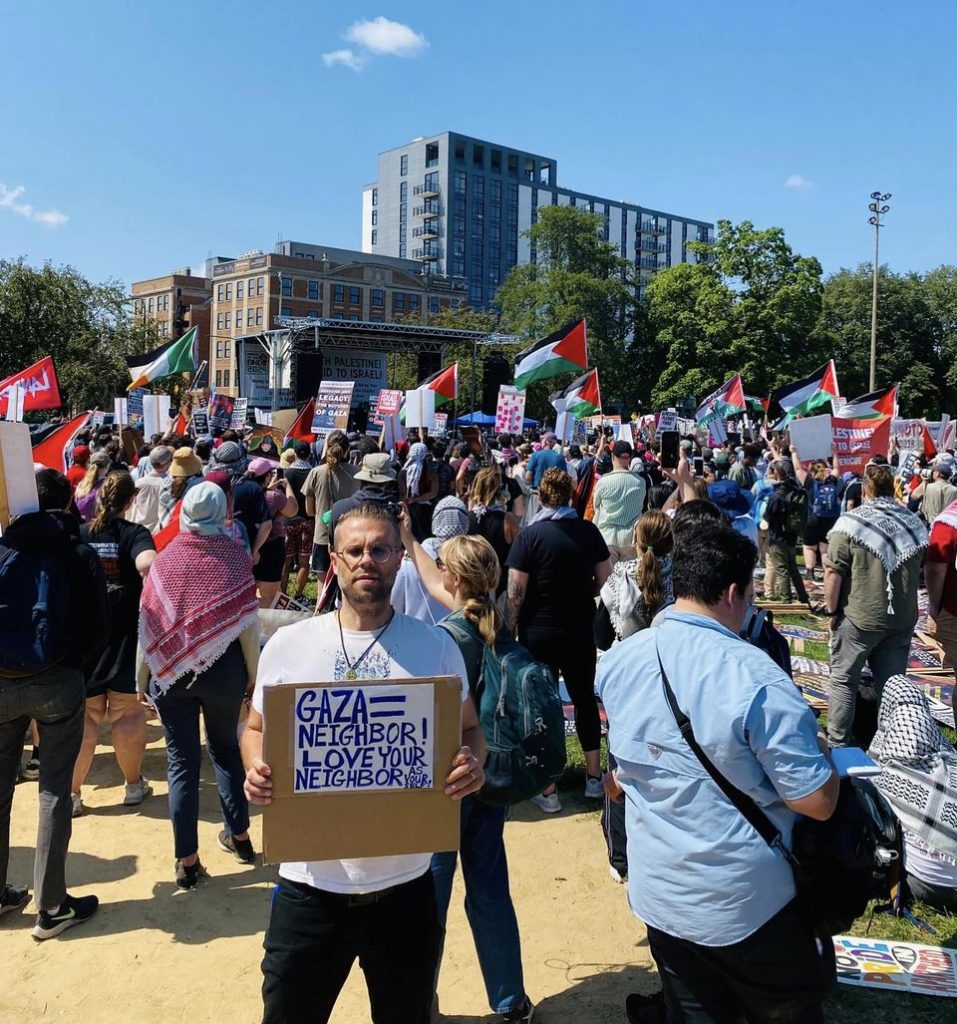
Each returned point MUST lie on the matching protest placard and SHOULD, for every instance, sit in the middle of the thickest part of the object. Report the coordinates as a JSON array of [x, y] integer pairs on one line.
[[18, 484], [420, 408], [812, 437], [155, 414], [358, 768], [134, 405], [667, 420], [332, 406], [858, 441], [510, 410], [238, 419], [908, 435], [440, 425], [896, 966], [200, 420], [121, 415], [263, 416], [220, 411], [389, 402]]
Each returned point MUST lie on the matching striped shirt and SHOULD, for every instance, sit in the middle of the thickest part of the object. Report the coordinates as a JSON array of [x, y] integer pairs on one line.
[[619, 500]]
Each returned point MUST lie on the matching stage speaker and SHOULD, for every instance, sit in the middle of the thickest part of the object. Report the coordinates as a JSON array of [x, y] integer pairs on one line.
[[496, 370], [428, 363], [306, 375]]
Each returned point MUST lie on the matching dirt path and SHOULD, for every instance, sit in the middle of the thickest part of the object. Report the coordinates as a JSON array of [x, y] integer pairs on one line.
[[157, 956]]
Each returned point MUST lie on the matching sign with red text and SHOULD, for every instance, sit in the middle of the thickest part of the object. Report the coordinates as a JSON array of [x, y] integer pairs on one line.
[[858, 441], [896, 966]]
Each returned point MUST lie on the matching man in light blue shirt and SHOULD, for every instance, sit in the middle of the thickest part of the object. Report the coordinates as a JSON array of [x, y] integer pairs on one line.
[[723, 924], [544, 460]]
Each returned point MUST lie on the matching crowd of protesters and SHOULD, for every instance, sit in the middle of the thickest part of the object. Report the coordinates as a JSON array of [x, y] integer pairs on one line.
[[166, 559]]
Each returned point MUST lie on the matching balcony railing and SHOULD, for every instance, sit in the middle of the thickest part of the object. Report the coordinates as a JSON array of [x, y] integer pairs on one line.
[[425, 190], [648, 227]]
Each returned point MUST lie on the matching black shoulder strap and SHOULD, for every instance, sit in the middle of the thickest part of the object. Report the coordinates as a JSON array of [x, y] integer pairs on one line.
[[761, 823]]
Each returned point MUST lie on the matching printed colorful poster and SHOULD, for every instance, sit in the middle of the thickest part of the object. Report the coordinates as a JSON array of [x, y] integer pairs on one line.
[[858, 441], [389, 402], [221, 411], [349, 738], [896, 966], [510, 412], [440, 425], [333, 402], [238, 419]]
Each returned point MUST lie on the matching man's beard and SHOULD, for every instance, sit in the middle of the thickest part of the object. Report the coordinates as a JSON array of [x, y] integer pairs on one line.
[[367, 597]]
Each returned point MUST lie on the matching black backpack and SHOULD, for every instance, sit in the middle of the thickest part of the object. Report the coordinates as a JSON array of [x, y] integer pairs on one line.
[[796, 513], [760, 631], [36, 627]]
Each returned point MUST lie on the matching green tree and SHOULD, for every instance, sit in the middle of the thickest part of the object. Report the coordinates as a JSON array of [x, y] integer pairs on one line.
[[576, 274], [86, 327], [909, 336], [940, 291], [748, 306]]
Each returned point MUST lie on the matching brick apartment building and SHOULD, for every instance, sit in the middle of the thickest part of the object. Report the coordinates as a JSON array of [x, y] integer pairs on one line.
[[175, 303]]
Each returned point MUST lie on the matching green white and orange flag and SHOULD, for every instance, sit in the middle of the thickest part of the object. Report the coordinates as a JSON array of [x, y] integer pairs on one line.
[[872, 406], [582, 397], [177, 356], [564, 350]]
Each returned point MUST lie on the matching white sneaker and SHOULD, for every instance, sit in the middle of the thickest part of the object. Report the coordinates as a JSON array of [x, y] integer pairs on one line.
[[549, 804], [78, 809], [617, 876], [594, 790], [136, 792]]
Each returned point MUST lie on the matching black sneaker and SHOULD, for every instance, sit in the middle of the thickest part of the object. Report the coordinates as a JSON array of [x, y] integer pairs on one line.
[[73, 910], [13, 898], [241, 849], [523, 1015], [31, 770], [646, 1009], [188, 877]]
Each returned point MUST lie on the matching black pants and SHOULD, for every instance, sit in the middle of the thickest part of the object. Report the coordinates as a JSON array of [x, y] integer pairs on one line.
[[314, 936], [775, 976], [574, 658]]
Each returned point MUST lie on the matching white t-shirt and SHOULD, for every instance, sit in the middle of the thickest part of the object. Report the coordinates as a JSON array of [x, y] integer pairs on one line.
[[310, 651]]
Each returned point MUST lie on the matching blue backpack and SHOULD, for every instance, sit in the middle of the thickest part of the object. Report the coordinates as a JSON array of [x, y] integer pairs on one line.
[[826, 505], [521, 716]]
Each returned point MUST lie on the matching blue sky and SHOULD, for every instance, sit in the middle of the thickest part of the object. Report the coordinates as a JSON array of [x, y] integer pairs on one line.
[[144, 134]]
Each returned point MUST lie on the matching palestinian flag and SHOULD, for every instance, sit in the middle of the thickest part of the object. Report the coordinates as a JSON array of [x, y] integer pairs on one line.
[[177, 356], [804, 396], [301, 430], [758, 406], [727, 401], [565, 350], [872, 406], [582, 397], [445, 384]]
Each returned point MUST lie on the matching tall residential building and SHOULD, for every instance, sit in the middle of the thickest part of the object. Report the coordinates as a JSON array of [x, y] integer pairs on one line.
[[303, 280], [461, 206], [175, 303]]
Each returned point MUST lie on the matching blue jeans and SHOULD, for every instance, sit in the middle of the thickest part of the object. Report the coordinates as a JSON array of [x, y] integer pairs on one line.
[[218, 694], [57, 700], [488, 903]]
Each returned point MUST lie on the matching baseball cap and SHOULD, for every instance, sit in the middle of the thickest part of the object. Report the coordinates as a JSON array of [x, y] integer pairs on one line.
[[622, 448], [260, 466]]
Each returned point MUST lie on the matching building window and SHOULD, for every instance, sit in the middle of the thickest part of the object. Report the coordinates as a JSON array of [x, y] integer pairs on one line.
[[313, 290], [377, 318], [313, 313], [375, 217], [403, 191], [339, 293], [286, 287], [354, 316], [286, 311], [227, 349], [432, 154], [460, 152], [475, 293], [432, 181], [250, 286], [229, 291], [249, 317], [219, 321], [259, 285], [355, 296], [375, 197], [377, 298], [228, 322], [239, 289], [398, 300], [220, 292], [413, 301], [404, 164], [458, 267], [403, 250], [226, 378], [433, 303], [259, 316], [219, 378], [375, 236], [219, 350], [513, 163], [478, 156]]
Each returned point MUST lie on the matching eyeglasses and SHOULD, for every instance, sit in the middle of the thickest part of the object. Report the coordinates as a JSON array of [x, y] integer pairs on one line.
[[379, 553]]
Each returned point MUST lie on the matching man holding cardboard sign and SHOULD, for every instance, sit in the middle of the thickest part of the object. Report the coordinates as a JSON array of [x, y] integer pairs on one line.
[[380, 908]]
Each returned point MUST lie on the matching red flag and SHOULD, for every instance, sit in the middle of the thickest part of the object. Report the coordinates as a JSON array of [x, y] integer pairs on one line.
[[930, 449], [301, 430], [51, 451], [181, 426], [162, 537], [40, 383]]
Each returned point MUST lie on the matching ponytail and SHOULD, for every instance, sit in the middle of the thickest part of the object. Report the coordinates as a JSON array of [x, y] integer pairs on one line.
[[654, 540], [112, 499], [474, 561]]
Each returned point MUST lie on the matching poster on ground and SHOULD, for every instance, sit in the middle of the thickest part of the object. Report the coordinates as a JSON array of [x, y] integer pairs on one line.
[[333, 402], [359, 768], [896, 966], [510, 411], [858, 441]]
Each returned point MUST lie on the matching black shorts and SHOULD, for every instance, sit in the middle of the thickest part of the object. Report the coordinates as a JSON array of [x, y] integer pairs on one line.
[[817, 530], [271, 557]]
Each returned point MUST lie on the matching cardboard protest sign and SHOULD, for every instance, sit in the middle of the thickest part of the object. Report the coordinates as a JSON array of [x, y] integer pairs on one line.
[[333, 402], [18, 484], [358, 768], [238, 419], [896, 966], [510, 411], [857, 441], [155, 414], [121, 415], [812, 437]]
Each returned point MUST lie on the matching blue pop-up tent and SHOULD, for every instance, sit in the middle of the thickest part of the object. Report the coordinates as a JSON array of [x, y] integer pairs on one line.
[[483, 419]]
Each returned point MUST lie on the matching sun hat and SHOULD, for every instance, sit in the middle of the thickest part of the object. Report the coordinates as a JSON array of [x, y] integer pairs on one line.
[[186, 463], [287, 458], [376, 469]]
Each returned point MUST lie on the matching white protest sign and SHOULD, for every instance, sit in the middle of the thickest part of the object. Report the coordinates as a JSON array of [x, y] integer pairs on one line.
[[121, 412], [510, 411], [668, 420], [812, 437], [16, 395], [263, 416], [838, 404], [685, 426], [420, 408], [155, 414], [238, 419], [18, 483], [360, 738], [908, 434]]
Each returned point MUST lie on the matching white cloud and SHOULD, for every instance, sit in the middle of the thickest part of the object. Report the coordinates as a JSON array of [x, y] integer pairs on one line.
[[10, 199], [382, 36], [798, 182], [347, 58]]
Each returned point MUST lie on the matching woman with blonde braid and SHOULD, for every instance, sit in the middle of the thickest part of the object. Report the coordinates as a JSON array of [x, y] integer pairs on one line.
[[469, 571], [126, 551]]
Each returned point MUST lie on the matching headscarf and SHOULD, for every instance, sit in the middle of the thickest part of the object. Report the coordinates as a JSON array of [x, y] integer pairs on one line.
[[450, 519], [229, 457], [919, 767], [203, 510], [413, 467], [199, 596]]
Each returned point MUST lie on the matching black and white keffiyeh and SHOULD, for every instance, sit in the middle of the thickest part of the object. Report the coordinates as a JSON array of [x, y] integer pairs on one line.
[[919, 767], [888, 531]]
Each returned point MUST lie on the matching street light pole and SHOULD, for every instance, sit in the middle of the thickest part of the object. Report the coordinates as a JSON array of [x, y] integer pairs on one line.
[[878, 207]]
